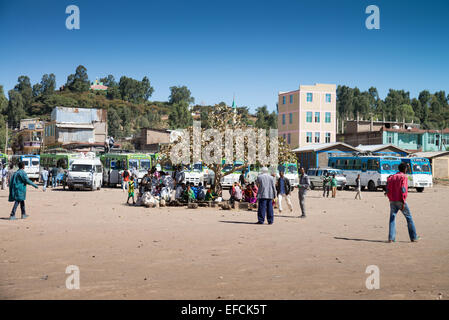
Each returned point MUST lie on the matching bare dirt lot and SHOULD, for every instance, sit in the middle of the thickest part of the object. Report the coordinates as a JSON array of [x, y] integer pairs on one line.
[[176, 253]]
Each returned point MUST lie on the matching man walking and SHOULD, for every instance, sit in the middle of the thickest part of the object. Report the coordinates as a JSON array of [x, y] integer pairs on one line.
[[17, 191], [54, 176], [397, 188], [3, 174], [304, 185], [326, 184], [265, 195], [358, 188], [283, 189], [44, 176]]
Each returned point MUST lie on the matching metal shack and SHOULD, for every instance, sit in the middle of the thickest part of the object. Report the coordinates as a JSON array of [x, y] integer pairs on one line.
[[71, 126]]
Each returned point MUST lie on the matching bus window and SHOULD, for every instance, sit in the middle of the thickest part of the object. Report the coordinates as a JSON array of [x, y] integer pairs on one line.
[[386, 167], [133, 163], [26, 162], [364, 166], [417, 168], [281, 168], [319, 173], [146, 164], [35, 162], [396, 167], [197, 167], [373, 165], [425, 168], [357, 164]]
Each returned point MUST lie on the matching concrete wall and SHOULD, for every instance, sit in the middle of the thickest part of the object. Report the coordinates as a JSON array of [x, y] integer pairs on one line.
[[440, 167]]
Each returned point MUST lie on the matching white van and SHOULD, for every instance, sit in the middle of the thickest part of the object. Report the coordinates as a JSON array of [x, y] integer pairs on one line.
[[85, 174]]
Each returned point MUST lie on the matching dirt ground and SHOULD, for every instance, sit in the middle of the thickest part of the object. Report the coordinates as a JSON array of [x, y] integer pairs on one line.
[[176, 253]]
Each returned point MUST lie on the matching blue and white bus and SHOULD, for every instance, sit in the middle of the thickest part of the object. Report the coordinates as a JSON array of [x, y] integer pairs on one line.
[[375, 170], [419, 173]]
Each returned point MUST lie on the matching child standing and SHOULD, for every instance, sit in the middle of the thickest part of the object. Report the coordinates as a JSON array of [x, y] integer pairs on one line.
[[131, 190], [334, 186]]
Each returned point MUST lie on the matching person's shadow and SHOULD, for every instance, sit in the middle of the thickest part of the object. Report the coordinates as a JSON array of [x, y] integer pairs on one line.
[[238, 222], [364, 240]]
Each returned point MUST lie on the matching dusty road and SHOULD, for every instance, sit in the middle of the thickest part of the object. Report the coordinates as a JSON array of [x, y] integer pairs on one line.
[[176, 253]]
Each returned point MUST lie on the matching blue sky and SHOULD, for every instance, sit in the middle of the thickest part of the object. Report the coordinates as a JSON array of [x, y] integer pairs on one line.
[[252, 49]]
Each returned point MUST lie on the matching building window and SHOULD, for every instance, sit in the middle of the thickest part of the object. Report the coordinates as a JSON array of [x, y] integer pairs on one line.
[[309, 97], [291, 99], [317, 117], [389, 138], [291, 118], [288, 138], [309, 116], [309, 137], [328, 97], [317, 137], [283, 100], [283, 119], [284, 136], [328, 137], [445, 140], [328, 117], [431, 139]]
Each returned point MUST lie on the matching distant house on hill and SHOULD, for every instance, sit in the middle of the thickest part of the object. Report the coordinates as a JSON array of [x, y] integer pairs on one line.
[[98, 86]]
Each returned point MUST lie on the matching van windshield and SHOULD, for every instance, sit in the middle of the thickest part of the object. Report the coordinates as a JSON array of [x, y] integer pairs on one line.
[[81, 168]]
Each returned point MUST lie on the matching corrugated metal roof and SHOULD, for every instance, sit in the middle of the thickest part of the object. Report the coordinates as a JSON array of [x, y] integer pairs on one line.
[[431, 154], [377, 147], [321, 146]]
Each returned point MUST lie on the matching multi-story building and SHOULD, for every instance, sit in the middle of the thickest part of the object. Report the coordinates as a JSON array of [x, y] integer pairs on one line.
[[308, 115], [76, 126], [29, 137]]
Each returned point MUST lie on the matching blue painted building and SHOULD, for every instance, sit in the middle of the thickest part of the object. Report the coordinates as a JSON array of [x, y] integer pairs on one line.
[[417, 139]]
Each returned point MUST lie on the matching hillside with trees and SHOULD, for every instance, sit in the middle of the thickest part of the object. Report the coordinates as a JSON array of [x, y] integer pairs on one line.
[[130, 108]]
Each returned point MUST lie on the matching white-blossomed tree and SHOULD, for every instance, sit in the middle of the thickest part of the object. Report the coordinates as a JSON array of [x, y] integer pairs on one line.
[[229, 142]]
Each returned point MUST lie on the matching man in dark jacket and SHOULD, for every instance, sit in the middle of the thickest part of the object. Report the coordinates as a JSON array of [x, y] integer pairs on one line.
[[283, 189], [18, 191]]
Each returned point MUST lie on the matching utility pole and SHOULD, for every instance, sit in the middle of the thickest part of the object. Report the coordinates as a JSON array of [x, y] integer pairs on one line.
[[6, 137]]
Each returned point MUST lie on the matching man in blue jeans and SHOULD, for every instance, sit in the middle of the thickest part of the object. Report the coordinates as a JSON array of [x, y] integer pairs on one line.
[[265, 194], [397, 189]]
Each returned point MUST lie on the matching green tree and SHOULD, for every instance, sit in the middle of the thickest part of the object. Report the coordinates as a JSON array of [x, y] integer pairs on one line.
[[3, 101], [180, 116], [265, 119], [16, 108], [24, 88], [180, 93], [406, 113], [135, 91], [78, 82], [109, 81], [114, 122]]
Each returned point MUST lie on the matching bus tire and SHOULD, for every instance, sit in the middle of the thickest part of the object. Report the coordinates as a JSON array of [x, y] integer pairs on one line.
[[419, 189], [371, 186]]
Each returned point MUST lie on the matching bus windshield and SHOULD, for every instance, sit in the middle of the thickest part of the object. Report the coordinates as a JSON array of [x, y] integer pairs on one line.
[[292, 169], [35, 162], [420, 167], [81, 168], [197, 167], [145, 164]]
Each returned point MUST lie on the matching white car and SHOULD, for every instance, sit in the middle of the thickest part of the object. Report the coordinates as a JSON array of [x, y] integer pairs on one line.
[[316, 176]]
